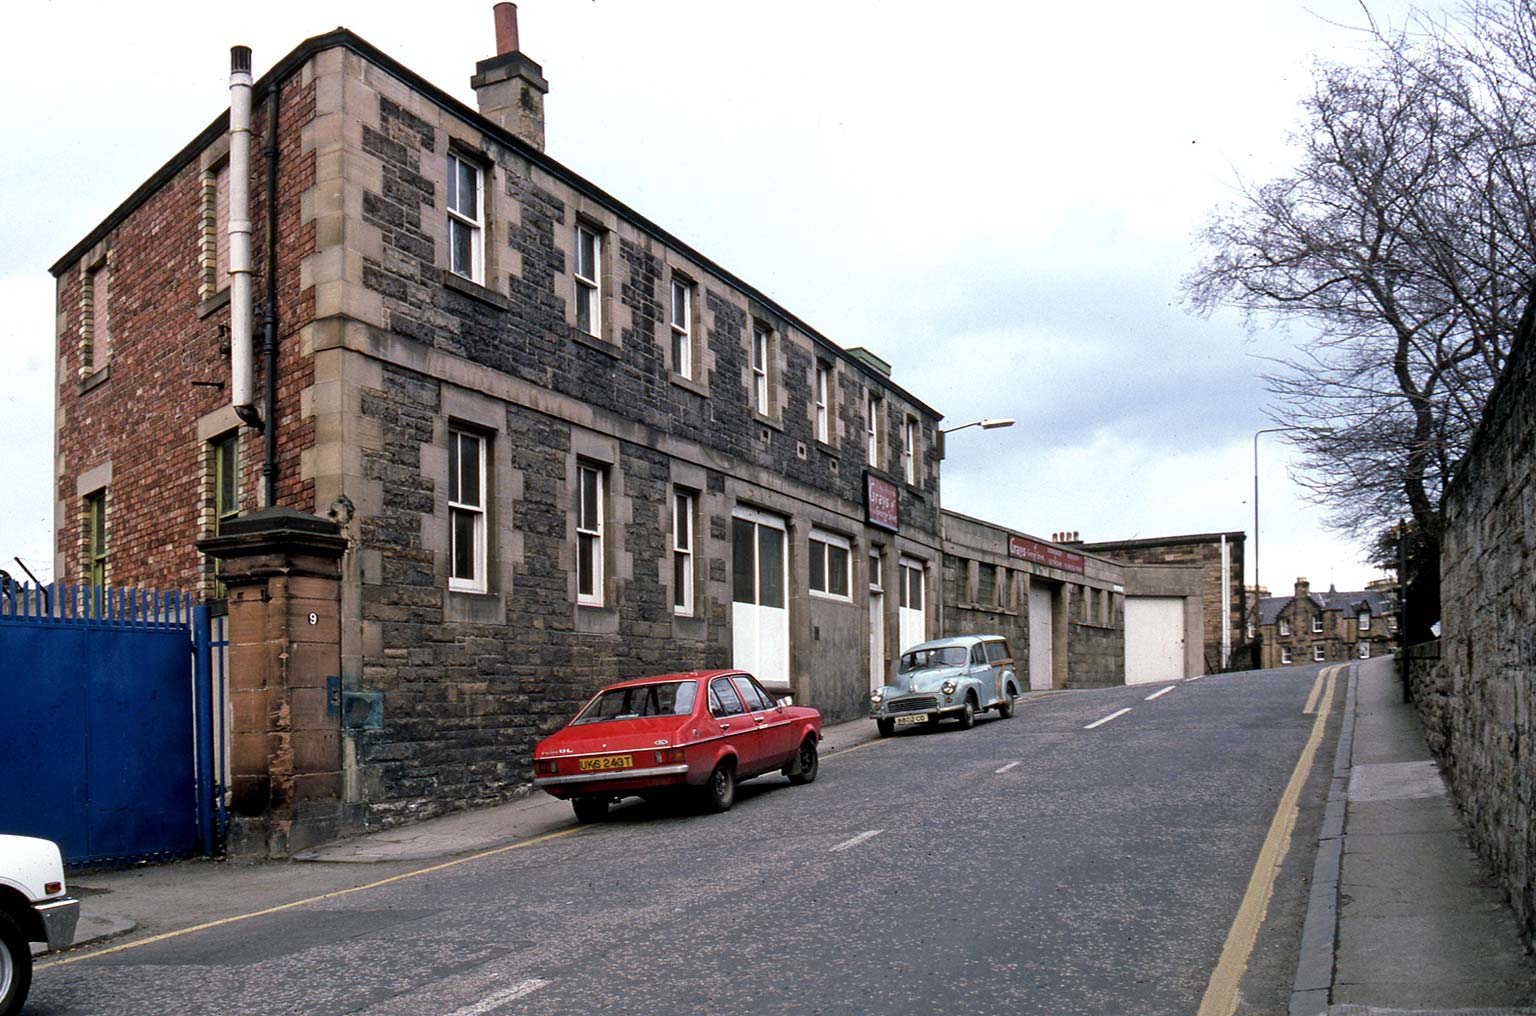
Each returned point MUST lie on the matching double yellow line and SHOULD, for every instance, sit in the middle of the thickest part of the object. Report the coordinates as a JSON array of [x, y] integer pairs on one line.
[[1221, 992]]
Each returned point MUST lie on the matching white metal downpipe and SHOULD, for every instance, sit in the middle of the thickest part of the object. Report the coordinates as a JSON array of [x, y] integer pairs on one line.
[[1226, 603], [242, 384]]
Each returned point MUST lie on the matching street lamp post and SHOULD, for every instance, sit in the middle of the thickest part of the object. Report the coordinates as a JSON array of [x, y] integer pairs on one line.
[[983, 424], [1255, 494]]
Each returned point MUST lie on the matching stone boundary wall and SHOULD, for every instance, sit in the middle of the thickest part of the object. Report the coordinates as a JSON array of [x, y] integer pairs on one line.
[[1481, 698]]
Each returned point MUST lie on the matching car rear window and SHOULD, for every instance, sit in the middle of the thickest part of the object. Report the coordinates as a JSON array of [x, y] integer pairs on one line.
[[664, 698]]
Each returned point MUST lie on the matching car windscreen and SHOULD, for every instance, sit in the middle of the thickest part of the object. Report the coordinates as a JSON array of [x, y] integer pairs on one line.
[[664, 698], [942, 656]]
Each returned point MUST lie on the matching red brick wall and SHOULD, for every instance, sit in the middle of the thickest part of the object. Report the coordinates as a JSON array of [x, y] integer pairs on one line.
[[143, 417]]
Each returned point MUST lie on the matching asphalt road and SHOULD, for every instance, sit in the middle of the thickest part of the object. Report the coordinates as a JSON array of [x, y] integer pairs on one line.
[[1027, 866]]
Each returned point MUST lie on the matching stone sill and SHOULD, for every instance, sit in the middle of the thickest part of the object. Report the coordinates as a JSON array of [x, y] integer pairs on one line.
[[218, 301], [591, 341], [96, 379], [688, 384], [474, 290]]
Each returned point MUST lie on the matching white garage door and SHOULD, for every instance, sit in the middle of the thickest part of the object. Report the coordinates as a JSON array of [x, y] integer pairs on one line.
[[1041, 649], [1154, 639]]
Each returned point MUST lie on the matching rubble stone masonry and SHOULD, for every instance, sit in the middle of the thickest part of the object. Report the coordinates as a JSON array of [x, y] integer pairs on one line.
[[1480, 701]]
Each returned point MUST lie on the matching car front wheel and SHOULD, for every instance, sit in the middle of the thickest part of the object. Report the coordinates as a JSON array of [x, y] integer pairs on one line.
[[968, 714], [15, 966], [720, 791], [590, 809], [807, 762], [886, 727]]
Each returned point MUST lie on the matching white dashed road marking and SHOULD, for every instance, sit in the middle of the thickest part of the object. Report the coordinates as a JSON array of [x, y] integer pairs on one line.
[[1159, 694], [521, 989], [1111, 716], [1007, 767], [871, 834]]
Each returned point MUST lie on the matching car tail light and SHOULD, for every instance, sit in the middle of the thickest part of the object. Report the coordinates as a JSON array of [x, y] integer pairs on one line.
[[545, 766], [670, 756], [51, 888]]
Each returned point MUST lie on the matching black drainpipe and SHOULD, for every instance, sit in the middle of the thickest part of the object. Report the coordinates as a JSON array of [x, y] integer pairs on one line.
[[269, 309]]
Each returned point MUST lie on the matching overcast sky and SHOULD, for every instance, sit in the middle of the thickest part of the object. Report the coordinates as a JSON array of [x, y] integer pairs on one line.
[[999, 199]]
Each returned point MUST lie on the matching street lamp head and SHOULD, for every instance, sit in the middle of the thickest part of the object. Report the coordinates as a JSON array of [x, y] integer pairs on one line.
[[983, 424]]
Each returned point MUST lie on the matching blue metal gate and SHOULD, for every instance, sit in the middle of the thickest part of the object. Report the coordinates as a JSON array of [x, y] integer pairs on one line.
[[110, 701]]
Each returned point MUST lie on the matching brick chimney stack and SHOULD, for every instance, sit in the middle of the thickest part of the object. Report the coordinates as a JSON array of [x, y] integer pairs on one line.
[[510, 87], [1303, 588]]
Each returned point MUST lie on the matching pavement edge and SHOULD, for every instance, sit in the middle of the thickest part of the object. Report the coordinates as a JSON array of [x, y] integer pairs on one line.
[[1313, 984]]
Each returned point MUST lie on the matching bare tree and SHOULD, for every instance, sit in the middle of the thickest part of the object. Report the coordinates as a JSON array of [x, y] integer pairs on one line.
[[1404, 240]]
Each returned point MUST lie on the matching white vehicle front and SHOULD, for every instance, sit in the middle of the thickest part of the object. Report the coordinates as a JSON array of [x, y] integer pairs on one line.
[[34, 907]]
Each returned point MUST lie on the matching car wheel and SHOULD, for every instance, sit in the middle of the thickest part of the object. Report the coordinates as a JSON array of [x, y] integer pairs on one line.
[[968, 714], [15, 966], [590, 809], [720, 791], [1005, 707], [886, 727], [807, 762]]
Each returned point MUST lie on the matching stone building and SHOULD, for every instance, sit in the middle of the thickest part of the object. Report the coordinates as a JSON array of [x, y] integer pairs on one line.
[[1062, 611], [1224, 598], [554, 445], [1326, 627]]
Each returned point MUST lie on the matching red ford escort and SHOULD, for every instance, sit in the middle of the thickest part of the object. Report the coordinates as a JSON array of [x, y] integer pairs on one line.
[[699, 732]]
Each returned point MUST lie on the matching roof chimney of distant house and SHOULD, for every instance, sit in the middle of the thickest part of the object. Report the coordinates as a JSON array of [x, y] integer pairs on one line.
[[509, 86], [1303, 588]]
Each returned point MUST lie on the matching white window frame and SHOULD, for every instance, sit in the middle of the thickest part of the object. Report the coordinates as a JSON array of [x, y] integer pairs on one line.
[[760, 352], [1319, 655], [458, 217], [1365, 649], [684, 529], [1365, 620], [823, 403], [872, 426], [682, 327], [1317, 623], [589, 281], [589, 532], [821, 544], [1285, 626], [475, 583], [1285, 654], [909, 449]]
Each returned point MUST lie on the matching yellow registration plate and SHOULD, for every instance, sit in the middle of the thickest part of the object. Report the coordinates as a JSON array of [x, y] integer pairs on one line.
[[911, 721], [601, 762]]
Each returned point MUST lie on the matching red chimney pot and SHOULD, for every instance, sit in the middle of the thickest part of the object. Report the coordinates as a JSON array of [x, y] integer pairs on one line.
[[506, 28]]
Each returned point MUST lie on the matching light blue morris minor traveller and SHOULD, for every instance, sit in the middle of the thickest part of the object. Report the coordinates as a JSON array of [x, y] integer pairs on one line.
[[955, 677]]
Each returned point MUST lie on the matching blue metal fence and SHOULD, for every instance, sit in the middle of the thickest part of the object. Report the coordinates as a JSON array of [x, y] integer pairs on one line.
[[111, 713]]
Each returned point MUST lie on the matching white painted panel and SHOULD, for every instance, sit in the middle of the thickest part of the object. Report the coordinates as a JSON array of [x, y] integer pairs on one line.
[[1041, 649], [876, 640], [911, 618], [1154, 639]]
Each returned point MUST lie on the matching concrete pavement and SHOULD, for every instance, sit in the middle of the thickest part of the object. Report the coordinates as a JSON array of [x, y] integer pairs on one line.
[[1402, 916]]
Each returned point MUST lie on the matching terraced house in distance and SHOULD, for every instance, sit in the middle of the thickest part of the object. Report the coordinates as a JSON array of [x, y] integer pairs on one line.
[[464, 438]]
